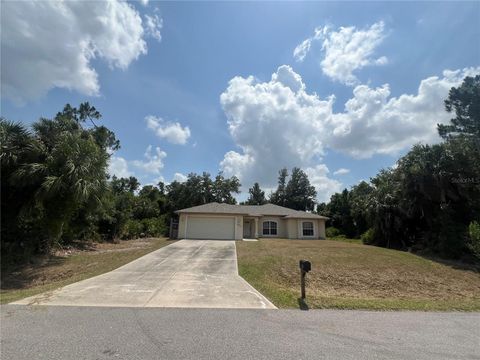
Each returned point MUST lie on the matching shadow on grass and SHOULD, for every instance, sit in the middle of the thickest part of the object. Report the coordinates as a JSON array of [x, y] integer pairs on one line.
[[467, 263], [21, 276], [302, 304]]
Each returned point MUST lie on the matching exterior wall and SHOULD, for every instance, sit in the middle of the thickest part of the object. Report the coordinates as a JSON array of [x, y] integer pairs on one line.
[[292, 231], [321, 229], [238, 227], [182, 226], [286, 228]]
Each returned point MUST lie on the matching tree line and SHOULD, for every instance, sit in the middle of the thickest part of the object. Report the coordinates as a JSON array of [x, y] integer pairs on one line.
[[297, 193], [430, 201], [55, 188]]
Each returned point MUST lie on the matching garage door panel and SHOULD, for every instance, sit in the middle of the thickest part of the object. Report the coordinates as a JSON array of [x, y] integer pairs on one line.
[[211, 228]]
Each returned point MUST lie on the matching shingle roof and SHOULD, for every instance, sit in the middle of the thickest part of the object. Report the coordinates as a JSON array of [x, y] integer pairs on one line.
[[252, 210]]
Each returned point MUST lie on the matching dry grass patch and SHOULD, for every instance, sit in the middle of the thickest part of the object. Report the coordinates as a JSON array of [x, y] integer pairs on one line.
[[72, 265], [350, 275]]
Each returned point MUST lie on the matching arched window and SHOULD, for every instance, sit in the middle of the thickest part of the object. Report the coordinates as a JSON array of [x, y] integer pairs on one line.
[[269, 228], [307, 228]]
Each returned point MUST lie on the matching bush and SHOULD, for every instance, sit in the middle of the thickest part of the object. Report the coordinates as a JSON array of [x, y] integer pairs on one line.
[[474, 238], [154, 226], [146, 227], [368, 237], [332, 232], [132, 229]]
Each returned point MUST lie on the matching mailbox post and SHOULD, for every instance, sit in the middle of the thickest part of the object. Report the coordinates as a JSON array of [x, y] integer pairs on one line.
[[305, 266]]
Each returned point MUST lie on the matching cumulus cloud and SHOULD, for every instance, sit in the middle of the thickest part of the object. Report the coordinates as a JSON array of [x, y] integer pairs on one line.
[[51, 44], [345, 50], [275, 124], [279, 124], [152, 162], [173, 132], [325, 186], [179, 177], [341, 171], [375, 123], [118, 166]]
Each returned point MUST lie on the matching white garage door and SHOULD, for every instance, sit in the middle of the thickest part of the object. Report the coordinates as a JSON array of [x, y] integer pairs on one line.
[[211, 228]]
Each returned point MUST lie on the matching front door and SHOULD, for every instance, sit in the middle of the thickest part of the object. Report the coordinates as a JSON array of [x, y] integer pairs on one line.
[[246, 229]]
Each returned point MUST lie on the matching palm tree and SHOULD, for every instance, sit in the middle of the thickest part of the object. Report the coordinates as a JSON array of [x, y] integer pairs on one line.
[[73, 176]]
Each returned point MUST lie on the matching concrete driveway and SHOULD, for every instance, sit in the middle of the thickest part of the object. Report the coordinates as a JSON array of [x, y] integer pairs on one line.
[[187, 273]]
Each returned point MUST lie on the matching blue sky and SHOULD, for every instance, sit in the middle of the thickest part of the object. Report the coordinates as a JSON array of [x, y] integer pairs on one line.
[[173, 61]]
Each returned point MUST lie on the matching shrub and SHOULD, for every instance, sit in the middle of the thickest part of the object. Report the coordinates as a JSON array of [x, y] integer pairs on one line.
[[368, 237], [154, 226], [132, 229], [146, 227], [474, 238], [332, 232]]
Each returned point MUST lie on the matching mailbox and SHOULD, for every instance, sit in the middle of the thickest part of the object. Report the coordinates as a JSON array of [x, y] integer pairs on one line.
[[305, 265]]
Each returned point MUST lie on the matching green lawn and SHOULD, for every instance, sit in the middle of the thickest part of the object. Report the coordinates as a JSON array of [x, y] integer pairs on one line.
[[349, 275], [58, 271]]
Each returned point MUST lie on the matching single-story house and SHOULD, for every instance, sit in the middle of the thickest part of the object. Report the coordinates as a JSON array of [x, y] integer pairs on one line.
[[235, 222]]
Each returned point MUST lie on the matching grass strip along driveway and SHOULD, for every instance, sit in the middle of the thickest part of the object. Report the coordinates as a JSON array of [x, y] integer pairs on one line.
[[348, 275], [72, 266]]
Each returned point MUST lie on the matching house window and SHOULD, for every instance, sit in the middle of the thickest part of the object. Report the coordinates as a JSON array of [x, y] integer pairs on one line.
[[269, 228], [307, 228]]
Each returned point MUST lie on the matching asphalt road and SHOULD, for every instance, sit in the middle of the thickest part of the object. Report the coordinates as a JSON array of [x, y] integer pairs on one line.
[[187, 273], [60, 332]]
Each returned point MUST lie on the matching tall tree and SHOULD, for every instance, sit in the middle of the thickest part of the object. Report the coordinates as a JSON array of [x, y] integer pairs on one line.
[[299, 193], [278, 197], [340, 211], [359, 199], [465, 102], [257, 195], [224, 188], [120, 185]]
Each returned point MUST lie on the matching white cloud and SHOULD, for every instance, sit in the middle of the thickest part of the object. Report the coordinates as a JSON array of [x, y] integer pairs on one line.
[[144, 2], [345, 50], [375, 123], [153, 25], [179, 177], [279, 124], [118, 166], [341, 171], [51, 44], [172, 132], [153, 162], [325, 186], [275, 124], [301, 51]]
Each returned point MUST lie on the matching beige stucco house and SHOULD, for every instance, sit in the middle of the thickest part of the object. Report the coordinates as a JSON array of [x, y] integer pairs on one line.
[[236, 222]]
